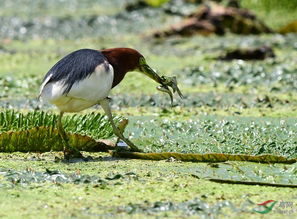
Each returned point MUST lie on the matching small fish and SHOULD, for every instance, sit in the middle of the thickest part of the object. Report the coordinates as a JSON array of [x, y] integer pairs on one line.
[[167, 82]]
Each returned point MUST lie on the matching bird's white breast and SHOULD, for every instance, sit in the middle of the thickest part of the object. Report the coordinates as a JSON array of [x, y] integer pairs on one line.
[[83, 94]]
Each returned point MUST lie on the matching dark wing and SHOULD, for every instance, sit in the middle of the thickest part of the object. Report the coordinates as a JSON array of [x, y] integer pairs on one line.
[[75, 67]]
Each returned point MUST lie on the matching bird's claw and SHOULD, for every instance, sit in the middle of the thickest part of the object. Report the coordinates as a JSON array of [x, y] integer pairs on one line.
[[167, 82], [71, 153]]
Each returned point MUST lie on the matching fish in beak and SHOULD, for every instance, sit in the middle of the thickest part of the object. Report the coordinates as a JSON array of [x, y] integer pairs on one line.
[[164, 81], [172, 83]]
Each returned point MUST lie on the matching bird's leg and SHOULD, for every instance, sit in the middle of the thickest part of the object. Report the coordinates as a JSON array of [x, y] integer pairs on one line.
[[105, 105], [69, 152], [121, 126]]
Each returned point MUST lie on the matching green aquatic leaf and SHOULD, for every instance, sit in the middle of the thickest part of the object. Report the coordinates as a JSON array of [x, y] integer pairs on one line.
[[36, 131], [43, 139], [93, 124]]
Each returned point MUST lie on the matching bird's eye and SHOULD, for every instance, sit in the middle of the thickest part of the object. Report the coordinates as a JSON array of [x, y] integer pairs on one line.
[[142, 61]]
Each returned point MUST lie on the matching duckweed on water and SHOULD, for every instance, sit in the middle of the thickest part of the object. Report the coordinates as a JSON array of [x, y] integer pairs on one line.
[[24, 87], [277, 77], [215, 99], [217, 134]]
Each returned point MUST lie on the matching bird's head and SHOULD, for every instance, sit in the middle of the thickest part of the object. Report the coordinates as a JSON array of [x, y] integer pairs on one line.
[[126, 59]]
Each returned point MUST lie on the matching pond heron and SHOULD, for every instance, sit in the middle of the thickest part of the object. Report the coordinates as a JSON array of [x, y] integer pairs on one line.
[[86, 76]]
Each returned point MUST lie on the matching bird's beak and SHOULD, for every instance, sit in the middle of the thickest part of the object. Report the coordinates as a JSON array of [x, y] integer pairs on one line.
[[148, 71], [165, 82]]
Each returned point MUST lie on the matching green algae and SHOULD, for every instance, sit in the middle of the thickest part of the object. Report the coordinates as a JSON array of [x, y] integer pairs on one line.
[[152, 183]]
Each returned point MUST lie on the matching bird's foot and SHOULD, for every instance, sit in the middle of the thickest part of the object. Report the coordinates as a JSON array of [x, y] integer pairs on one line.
[[133, 147], [126, 145], [121, 146], [122, 149], [72, 154]]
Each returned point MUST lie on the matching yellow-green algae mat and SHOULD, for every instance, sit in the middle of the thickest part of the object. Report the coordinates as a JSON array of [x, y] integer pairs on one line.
[[36, 132]]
